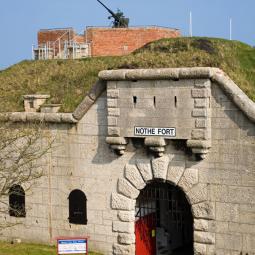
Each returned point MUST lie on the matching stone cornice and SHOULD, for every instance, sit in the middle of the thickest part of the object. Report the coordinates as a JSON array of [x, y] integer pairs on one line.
[[38, 117], [215, 74]]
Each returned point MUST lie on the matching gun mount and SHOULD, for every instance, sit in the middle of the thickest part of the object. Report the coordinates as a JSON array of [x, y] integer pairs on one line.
[[119, 18]]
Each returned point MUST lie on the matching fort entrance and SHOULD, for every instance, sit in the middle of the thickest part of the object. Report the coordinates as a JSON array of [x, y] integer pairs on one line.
[[164, 223]]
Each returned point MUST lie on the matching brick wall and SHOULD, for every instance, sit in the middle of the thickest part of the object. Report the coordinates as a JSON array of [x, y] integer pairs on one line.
[[122, 41], [44, 36]]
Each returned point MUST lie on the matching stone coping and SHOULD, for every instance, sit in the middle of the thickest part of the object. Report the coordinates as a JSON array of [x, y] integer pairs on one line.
[[215, 74], [36, 96], [38, 117]]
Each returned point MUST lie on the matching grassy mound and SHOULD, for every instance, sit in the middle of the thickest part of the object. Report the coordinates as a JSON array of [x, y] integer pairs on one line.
[[67, 81]]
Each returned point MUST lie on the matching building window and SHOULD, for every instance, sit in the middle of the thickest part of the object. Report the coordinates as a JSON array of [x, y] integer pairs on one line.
[[77, 207], [17, 201]]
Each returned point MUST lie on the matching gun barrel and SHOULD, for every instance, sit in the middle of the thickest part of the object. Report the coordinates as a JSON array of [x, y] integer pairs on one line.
[[109, 10]]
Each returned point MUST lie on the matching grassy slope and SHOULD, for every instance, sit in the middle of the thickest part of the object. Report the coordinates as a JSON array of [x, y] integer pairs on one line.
[[67, 81], [29, 249]]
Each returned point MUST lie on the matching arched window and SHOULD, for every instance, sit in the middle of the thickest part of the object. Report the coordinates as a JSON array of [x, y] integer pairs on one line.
[[77, 207], [17, 201]]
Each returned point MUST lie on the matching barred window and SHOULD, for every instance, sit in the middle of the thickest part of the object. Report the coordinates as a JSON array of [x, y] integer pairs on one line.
[[77, 207], [17, 201]]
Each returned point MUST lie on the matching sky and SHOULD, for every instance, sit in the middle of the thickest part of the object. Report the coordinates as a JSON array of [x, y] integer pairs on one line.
[[21, 19]]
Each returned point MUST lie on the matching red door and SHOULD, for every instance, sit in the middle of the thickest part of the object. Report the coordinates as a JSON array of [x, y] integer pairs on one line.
[[145, 235]]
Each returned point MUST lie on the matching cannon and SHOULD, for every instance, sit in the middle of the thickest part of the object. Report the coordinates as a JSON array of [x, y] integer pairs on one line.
[[119, 19]]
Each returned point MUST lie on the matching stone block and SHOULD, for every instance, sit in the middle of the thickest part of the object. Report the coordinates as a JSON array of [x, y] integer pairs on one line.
[[242, 194], [201, 225], [127, 216], [247, 213], [199, 249], [121, 202], [123, 227], [126, 238], [204, 210], [198, 134], [210, 250], [231, 241], [83, 107], [127, 189], [155, 141], [241, 228], [249, 243], [112, 103], [188, 179], [175, 171], [201, 123], [200, 93], [119, 249], [159, 167], [113, 93], [199, 113], [109, 215], [112, 121], [134, 176], [198, 193], [117, 140], [217, 192], [218, 226], [144, 166], [113, 131], [200, 102], [114, 112], [102, 229], [227, 212], [111, 85], [202, 83], [204, 237]]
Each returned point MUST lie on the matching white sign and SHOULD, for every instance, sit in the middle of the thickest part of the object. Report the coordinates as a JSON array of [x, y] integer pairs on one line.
[[155, 131], [72, 246]]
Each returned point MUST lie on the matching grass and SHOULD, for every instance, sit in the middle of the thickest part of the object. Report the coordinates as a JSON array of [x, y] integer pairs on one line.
[[67, 81], [29, 249]]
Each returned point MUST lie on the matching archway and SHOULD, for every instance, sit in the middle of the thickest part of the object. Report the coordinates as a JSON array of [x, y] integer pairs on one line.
[[183, 181], [163, 221]]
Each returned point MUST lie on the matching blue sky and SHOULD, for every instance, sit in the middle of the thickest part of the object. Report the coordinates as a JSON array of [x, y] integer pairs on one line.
[[21, 19]]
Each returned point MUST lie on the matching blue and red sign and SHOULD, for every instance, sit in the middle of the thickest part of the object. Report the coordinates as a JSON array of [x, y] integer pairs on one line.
[[72, 245]]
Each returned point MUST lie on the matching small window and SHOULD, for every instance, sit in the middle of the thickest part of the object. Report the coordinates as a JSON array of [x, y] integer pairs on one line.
[[77, 207], [134, 100], [31, 104], [17, 201], [175, 101]]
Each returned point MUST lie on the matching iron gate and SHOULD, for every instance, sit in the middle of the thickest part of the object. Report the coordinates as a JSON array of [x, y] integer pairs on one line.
[[165, 211]]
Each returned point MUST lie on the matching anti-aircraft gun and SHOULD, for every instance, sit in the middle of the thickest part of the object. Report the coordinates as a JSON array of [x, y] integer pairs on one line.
[[119, 18]]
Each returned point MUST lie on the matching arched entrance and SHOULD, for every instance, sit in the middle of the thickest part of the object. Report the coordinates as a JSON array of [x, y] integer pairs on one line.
[[164, 222]]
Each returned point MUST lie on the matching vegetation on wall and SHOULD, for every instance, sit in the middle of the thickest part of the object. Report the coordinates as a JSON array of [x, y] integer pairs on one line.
[[67, 81]]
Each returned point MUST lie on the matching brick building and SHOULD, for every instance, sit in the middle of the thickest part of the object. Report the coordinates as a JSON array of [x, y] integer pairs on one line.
[[97, 41]]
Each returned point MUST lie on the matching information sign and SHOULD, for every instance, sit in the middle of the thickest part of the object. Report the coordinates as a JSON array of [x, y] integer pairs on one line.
[[72, 246]]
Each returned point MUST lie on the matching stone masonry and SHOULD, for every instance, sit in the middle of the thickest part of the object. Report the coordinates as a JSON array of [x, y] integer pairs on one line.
[[220, 186]]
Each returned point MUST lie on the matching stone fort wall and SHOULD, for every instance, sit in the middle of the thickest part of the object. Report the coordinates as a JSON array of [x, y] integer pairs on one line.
[[220, 187]]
